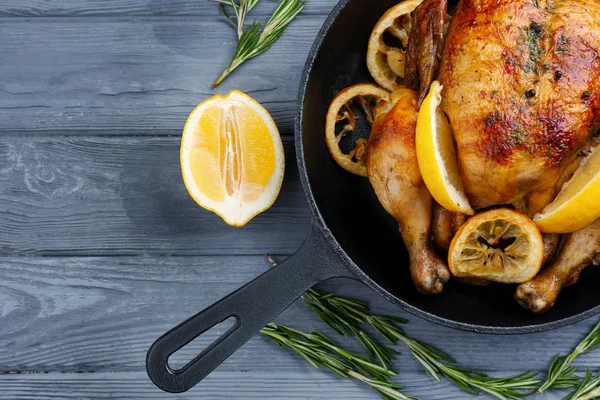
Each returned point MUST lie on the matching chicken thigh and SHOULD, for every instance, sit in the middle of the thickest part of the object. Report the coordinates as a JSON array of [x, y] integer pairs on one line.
[[394, 173]]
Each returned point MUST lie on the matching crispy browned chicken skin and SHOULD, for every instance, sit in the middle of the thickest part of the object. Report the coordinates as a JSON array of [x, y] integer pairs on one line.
[[522, 91]]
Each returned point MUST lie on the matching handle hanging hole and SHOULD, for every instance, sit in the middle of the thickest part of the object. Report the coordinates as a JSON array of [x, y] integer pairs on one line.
[[186, 354]]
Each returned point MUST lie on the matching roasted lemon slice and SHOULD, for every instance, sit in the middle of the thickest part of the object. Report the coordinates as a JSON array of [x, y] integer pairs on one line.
[[232, 157], [341, 121], [436, 155], [386, 52], [576, 206], [500, 245]]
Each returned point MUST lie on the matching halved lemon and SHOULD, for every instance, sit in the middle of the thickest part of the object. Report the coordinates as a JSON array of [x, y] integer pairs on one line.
[[437, 156], [341, 117], [232, 157], [386, 52], [500, 245], [576, 205]]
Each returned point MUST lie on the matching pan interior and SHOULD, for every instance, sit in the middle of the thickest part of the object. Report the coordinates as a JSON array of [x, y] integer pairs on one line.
[[363, 229]]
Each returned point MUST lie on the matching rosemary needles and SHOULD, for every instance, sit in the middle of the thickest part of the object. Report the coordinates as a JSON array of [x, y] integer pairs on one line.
[[589, 388], [349, 312], [254, 41], [346, 322], [320, 351], [561, 374], [348, 316]]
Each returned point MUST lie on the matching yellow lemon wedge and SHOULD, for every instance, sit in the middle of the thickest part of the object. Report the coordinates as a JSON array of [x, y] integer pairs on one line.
[[436, 155], [232, 157], [576, 205], [499, 245]]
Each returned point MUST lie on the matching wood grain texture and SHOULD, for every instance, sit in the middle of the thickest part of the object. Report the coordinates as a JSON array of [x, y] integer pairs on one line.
[[128, 8], [125, 196], [310, 385], [102, 314], [136, 76]]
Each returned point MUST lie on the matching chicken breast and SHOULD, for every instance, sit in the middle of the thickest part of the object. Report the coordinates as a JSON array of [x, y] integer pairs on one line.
[[522, 92]]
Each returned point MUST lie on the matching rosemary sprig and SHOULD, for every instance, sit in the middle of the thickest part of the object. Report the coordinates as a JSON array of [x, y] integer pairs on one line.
[[561, 374], [347, 315], [349, 326], [435, 361], [347, 321], [253, 42], [589, 388], [321, 351]]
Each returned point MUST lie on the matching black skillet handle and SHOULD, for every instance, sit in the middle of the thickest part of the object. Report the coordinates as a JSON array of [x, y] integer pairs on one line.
[[253, 306]]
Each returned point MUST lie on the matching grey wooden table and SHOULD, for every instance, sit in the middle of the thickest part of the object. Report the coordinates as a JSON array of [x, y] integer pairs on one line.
[[101, 248]]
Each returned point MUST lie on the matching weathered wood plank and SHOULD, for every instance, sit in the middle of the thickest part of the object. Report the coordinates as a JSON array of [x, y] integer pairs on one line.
[[141, 76], [96, 196], [77, 8], [102, 314], [310, 385]]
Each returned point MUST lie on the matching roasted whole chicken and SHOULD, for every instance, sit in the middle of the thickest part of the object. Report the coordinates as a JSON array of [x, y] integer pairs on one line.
[[521, 83]]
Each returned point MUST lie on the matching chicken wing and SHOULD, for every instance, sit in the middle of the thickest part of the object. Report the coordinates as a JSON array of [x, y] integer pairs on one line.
[[424, 44]]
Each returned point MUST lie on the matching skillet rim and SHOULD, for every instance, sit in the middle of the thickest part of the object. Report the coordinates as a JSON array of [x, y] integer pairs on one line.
[[347, 261]]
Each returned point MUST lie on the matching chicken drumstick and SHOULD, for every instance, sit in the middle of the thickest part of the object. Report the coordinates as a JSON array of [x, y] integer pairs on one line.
[[394, 174]]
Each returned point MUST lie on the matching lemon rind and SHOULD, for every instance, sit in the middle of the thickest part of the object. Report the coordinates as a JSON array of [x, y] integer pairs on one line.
[[568, 217], [338, 101], [436, 179]]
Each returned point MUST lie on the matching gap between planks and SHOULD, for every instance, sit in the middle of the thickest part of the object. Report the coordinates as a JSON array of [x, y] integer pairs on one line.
[[133, 8], [102, 314], [136, 76], [247, 385], [125, 196]]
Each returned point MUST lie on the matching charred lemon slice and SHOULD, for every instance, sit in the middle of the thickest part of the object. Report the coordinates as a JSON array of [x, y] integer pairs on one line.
[[386, 53], [341, 121], [499, 245]]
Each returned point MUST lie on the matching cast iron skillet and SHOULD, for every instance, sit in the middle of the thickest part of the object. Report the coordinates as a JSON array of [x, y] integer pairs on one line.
[[351, 235]]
